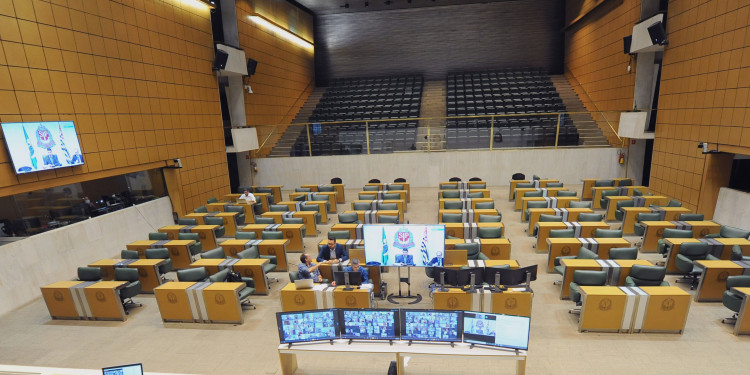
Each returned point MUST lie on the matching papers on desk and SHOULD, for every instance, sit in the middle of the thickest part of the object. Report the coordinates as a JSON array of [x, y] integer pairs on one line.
[[367, 286], [516, 289]]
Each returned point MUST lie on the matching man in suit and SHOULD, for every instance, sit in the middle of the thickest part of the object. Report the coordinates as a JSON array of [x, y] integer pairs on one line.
[[405, 258], [333, 252]]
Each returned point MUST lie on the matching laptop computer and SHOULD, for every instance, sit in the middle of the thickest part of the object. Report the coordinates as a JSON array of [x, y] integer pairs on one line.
[[134, 369], [303, 283]]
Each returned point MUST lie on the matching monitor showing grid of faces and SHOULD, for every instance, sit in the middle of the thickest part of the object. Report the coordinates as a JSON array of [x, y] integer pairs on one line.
[[369, 324], [312, 325], [431, 325]]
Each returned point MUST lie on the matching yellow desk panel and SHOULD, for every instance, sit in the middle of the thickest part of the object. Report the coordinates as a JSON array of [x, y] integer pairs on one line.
[[666, 310], [512, 189], [59, 300], [512, 303], [308, 218], [351, 299], [572, 265], [570, 246], [207, 235], [713, 281], [230, 224], [253, 268], [603, 309], [742, 326], [469, 230], [473, 214], [453, 299], [211, 265], [172, 299], [107, 266], [104, 301], [292, 205], [215, 207], [140, 247], [543, 228], [148, 273], [297, 300], [179, 252], [561, 202], [402, 206], [223, 303], [276, 248], [172, 231], [551, 192], [292, 232]]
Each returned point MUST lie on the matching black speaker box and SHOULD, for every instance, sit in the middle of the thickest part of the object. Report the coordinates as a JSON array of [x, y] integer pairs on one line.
[[220, 59], [657, 34], [251, 65], [626, 44]]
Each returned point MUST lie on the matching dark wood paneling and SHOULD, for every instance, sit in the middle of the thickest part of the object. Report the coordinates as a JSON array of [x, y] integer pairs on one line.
[[434, 41]]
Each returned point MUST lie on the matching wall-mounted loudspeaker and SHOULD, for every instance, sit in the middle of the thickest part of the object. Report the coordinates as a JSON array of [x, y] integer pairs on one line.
[[220, 59], [657, 34], [626, 43], [251, 65]]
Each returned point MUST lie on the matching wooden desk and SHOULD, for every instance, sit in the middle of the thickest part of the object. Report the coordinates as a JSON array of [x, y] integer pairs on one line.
[[742, 326], [643, 201], [338, 188], [713, 281], [493, 248], [292, 232], [456, 299], [253, 268], [60, 301], [275, 190], [200, 217], [464, 193], [276, 248], [228, 219], [293, 299], [584, 229], [666, 309], [330, 195], [355, 230], [655, 229], [380, 194], [222, 302], [351, 299], [631, 214], [207, 235], [148, 273], [371, 217], [568, 214], [308, 217], [596, 195], [603, 309], [174, 302], [552, 202], [508, 302], [402, 206], [572, 265], [455, 258], [211, 265], [570, 246], [387, 186], [470, 230], [264, 200], [512, 190], [108, 267], [179, 252], [467, 203], [551, 192], [468, 216], [173, 231], [216, 207], [620, 269], [297, 206], [141, 246], [588, 183], [231, 198], [463, 184], [249, 212], [104, 300]]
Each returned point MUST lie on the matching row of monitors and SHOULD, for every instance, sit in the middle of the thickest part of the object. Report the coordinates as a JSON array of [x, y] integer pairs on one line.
[[480, 275], [497, 330]]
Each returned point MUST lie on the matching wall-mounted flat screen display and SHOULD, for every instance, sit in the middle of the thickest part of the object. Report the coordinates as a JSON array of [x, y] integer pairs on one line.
[[418, 245], [38, 146]]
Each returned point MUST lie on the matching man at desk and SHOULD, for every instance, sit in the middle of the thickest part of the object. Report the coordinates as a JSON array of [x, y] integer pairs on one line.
[[405, 258], [356, 268], [309, 270], [247, 196], [437, 261], [333, 252]]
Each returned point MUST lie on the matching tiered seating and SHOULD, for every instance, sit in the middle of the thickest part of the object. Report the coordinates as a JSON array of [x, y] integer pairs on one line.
[[524, 92], [354, 99]]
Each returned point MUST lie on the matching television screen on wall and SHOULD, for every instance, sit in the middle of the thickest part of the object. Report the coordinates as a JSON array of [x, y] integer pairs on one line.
[[39, 146]]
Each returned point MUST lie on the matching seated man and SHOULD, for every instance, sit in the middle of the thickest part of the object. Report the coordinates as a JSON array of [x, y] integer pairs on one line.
[[436, 261], [333, 252], [247, 196], [405, 258], [357, 268], [309, 270]]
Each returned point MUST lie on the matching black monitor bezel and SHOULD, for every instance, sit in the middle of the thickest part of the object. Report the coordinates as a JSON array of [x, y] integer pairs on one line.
[[338, 277]]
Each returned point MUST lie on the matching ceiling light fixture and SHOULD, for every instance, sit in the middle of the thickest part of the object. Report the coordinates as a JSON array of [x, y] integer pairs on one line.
[[280, 31]]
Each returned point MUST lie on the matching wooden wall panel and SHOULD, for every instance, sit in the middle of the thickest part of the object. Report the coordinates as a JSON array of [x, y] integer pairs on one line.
[[134, 76], [436, 40]]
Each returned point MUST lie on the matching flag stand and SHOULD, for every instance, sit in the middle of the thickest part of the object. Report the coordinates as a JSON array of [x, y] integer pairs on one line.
[[417, 297]]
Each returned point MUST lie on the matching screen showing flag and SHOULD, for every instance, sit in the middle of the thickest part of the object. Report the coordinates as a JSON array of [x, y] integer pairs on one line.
[[38, 146], [418, 245]]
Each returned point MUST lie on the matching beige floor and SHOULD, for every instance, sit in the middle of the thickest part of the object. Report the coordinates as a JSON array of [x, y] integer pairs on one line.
[[29, 337]]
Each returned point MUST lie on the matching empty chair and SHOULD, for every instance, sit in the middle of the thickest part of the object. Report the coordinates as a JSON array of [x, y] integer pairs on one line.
[[620, 213], [583, 253], [533, 194], [607, 233], [129, 254], [489, 218], [732, 300], [240, 235], [568, 193], [264, 220], [729, 232], [200, 209], [272, 235], [195, 248], [674, 203], [158, 236], [606, 193], [314, 208], [220, 231], [589, 216], [642, 275], [186, 221], [294, 220], [131, 289], [689, 252], [584, 278], [370, 188], [89, 273], [639, 228], [562, 233], [197, 274], [554, 184], [451, 218], [547, 219], [217, 253], [661, 245], [490, 232], [473, 251], [252, 253], [579, 204], [391, 196], [479, 186], [737, 254], [349, 218], [387, 206], [388, 219], [366, 196], [394, 187], [326, 189], [239, 219], [533, 204], [484, 205], [161, 253], [535, 177], [623, 253], [625, 182], [453, 205], [602, 183], [690, 217], [339, 234], [278, 208], [451, 194], [212, 200], [447, 186], [302, 190], [361, 206], [477, 194]]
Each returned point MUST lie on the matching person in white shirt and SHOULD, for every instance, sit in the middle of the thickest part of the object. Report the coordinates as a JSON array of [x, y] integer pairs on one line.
[[247, 196]]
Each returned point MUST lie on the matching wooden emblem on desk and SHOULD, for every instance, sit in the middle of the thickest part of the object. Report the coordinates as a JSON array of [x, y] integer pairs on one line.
[[247, 272], [704, 232], [565, 250], [142, 272], [272, 251], [722, 276], [591, 232], [233, 251], [667, 304], [219, 299], [170, 235], [58, 296], [605, 304], [452, 302], [171, 298], [100, 296], [511, 303], [495, 250], [299, 300], [351, 301], [288, 234], [659, 232], [452, 232], [105, 273], [175, 251], [202, 235]]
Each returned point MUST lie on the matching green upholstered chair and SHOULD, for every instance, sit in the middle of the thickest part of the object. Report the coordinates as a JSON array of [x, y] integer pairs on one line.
[[388, 219], [478, 194], [588, 216], [606, 193], [674, 203], [240, 235], [252, 253], [603, 183], [738, 255], [293, 220], [729, 232], [129, 254], [732, 300], [394, 187], [690, 217], [302, 190], [639, 228], [567, 193], [217, 253], [473, 251], [239, 219], [349, 218], [391, 196], [370, 188], [642, 275], [484, 205], [637, 193], [583, 253], [562, 233], [269, 191], [490, 218], [212, 200], [661, 245], [580, 204], [220, 231], [479, 186], [200, 209], [451, 218], [313, 208], [326, 189], [453, 205], [607, 233], [546, 219], [158, 236], [220, 276], [187, 221], [523, 185], [264, 220], [272, 235], [90, 273], [533, 204], [293, 276], [361, 206], [535, 177], [625, 182], [300, 198], [620, 213], [447, 186], [131, 289], [339, 234], [451, 194], [278, 208], [195, 248], [161, 253], [533, 194], [689, 252], [554, 184], [197, 274], [387, 206], [584, 278], [490, 232], [623, 253]]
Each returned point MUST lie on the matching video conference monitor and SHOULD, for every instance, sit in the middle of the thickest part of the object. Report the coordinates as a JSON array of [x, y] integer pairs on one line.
[[311, 325], [507, 331], [134, 369], [369, 324], [431, 325], [355, 278], [38, 146], [417, 245], [464, 276]]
